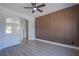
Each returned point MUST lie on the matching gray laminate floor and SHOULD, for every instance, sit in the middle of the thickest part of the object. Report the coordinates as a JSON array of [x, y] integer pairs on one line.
[[37, 48]]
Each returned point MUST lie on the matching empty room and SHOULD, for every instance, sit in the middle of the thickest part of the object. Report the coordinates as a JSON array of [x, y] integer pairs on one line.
[[39, 29]]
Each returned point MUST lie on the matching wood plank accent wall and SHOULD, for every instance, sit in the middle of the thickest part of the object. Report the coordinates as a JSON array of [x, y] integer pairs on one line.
[[61, 26]]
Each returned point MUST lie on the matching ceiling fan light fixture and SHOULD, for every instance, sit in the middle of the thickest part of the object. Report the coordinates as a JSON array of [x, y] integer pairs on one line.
[[35, 9]]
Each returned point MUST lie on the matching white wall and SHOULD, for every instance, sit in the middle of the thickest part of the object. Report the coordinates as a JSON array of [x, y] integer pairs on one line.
[[1, 29], [5, 13], [31, 29]]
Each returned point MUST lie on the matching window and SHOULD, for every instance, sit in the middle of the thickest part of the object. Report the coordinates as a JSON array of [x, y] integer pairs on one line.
[[8, 29], [12, 20], [12, 25]]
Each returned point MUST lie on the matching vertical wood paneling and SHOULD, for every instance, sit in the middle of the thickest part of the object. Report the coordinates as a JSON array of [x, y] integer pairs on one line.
[[61, 26]]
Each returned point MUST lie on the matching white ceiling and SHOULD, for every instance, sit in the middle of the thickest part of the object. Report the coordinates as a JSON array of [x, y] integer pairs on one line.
[[50, 7]]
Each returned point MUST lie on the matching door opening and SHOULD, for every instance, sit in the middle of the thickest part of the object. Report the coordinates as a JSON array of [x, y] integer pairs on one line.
[[23, 29]]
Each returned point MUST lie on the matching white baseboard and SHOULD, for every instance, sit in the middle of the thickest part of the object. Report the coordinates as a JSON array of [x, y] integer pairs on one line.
[[59, 44]]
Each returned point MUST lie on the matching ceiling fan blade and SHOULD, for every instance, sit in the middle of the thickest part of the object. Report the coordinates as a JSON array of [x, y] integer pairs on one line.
[[39, 10], [41, 5], [28, 7], [33, 11], [33, 4]]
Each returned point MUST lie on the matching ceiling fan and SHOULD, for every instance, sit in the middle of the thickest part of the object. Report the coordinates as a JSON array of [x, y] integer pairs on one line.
[[35, 7]]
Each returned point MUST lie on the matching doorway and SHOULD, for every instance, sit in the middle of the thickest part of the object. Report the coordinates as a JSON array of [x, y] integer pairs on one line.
[[23, 29]]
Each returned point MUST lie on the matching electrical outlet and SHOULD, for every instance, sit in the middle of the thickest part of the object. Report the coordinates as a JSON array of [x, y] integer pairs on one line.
[[72, 43]]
